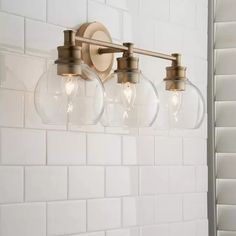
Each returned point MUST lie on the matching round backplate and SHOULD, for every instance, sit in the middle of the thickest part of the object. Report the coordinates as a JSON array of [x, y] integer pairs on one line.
[[101, 63]]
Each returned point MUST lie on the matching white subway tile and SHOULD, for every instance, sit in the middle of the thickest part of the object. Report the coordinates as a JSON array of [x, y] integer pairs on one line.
[[23, 219], [29, 147], [108, 16], [127, 27], [11, 32], [42, 39], [20, 72], [138, 150], [162, 230], [68, 217], [225, 10], [138, 211], [201, 179], [202, 17], [45, 183], [183, 229], [67, 13], [195, 43], [183, 12], [169, 208], [103, 149], [11, 108], [86, 182], [139, 39], [104, 214], [30, 8], [121, 181], [66, 148], [11, 184], [154, 180], [168, 150], [195, 151], [195, 206], [165, 32], [202, 228], [158, 9], [122, 4], [182, 179], [123, 232]]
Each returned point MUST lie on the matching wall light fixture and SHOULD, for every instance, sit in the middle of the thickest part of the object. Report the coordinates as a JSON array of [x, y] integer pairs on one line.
[[78, 88]]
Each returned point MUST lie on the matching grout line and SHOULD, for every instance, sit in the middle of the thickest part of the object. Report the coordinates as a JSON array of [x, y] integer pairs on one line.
[[1, 146], [46, 147], [24, 184], [87, 10], [86, 149], [47, 11], [107, 197], [122, 150], [24, 35], [86, 205], [68, 184], [105, 181], [121, 212], [46, 216]]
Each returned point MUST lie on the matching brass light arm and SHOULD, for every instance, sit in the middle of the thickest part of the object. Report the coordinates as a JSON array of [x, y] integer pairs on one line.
[[101, 43], [113, 48]]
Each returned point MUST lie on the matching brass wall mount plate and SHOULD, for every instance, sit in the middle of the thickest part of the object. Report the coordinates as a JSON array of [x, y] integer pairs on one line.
[[102, 64]]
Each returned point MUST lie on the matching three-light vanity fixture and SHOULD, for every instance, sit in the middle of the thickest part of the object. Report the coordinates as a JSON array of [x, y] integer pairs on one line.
[[78, 88]]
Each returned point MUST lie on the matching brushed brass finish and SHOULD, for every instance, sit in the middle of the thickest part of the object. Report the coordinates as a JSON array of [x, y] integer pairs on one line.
[[69, 56], [113, 48], [94, 32], [93, 44], [175, 75], [127, 66]]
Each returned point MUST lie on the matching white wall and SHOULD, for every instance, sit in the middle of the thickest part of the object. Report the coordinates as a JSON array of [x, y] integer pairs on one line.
[[58, 182]]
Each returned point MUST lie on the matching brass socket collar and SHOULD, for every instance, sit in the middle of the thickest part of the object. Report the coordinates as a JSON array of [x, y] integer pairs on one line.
[[127, 69], [69, 56], [128, 66], [175, 75]]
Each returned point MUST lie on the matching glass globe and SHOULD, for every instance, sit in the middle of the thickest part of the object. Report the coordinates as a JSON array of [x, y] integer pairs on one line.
[[180, 109], [128, 104], [75, 100]]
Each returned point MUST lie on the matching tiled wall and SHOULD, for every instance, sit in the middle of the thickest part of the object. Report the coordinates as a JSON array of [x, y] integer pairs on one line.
[[92, 181]]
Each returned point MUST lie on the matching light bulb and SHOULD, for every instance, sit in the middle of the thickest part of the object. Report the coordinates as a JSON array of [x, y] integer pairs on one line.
[[128, 95], [180, 109], [66, 100], [175, 104], [129, 104], [70, 86]]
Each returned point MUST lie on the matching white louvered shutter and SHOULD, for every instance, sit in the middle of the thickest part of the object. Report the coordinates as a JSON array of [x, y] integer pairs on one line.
[[225, 115]]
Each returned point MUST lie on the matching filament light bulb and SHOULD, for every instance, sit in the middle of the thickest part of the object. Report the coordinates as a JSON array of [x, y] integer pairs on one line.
[[128, 95], [175, 104], [70, 87]]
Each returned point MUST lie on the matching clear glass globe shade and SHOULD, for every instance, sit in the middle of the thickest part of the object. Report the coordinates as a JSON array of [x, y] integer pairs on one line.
[[75, 100], [129, 105], [180, 109]]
